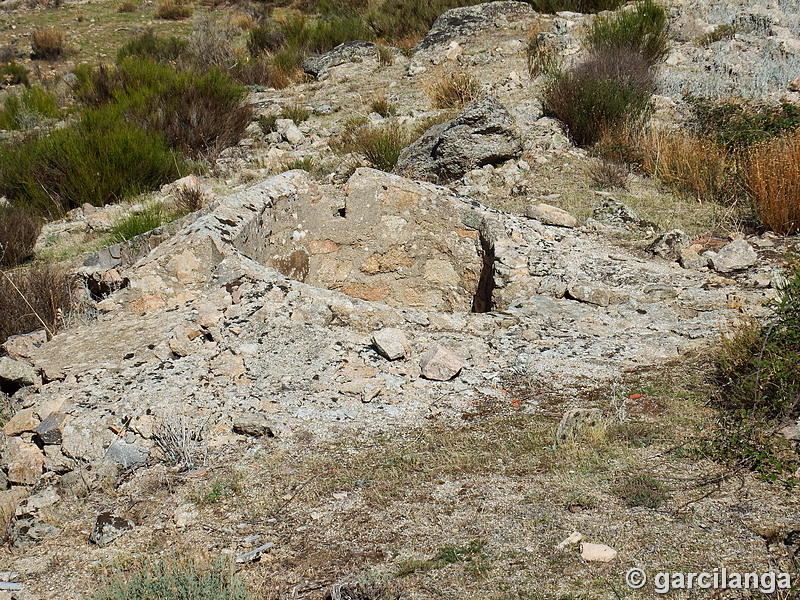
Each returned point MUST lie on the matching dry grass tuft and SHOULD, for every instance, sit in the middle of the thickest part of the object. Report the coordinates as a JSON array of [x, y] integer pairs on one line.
[[173, 10], [695, 167], [772, 175], [19, 229], [40, 297], [127, 6], [610, 175], [453, 90], [47, 43]]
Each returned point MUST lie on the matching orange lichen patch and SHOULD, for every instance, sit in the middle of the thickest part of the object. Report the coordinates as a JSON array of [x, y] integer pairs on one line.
[[467, 233], [322, 247], [148, 303]]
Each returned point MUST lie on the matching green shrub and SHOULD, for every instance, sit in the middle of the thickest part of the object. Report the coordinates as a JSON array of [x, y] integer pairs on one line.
[[383, 107], [265, 37], [380, 144], [24, 110], [19, 230], [149, 45], [305, 164], [736, 125], [152, 215], [41, 292], [609, 90], [723, 31], [175, 581], [644, 29], [13, 73], [101, 158], [268, 123], [198, 113]]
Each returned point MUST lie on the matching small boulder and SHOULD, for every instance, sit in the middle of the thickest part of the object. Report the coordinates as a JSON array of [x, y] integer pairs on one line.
[[127, 455], [24, 345], [597, 553], [551, 215], [49, 431], [669, 245], [440, 364], [25, 462], [483, 134], [690, 259], [24, 420], [735, 256], [343, 53], [16, 374], [108, 527], [253, 424], [391, 343], [290, 132]]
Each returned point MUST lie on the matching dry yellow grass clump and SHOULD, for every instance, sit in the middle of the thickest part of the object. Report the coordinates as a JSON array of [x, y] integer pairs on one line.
[[772, 175]]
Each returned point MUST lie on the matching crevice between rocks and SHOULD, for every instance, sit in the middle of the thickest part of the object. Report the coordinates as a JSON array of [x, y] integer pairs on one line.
[[482, 301]]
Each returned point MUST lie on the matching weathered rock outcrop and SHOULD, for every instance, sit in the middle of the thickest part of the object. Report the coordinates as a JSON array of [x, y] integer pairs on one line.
[[483, 134]]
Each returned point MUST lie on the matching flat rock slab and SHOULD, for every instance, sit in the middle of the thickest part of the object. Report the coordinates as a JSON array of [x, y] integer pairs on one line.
[[551, 215]]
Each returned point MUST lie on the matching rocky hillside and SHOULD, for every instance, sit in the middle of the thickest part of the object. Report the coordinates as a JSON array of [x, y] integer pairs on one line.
[[416, 383]]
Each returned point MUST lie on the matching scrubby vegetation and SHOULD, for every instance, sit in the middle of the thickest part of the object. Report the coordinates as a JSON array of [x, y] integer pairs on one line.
[[28, 108], [757, 370], [169, 580], [13, 73], [38, 297], [19, 229], [48, 43], [380, 144], [452, 90], [147, 218]]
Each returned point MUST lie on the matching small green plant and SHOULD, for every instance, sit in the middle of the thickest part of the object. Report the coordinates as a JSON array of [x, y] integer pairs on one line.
[[267, 123], [296, 112], [28, 108], [446, 555], [220, 490], [641, 490], [306, 164], [171, 580], [383, 107], [541, 55], [453, 90], [644, 29], [13, 73], [380, 144], [47, 43], [149, 217]]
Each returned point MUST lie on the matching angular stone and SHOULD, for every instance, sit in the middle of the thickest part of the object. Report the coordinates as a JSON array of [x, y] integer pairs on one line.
[[550, 215], [24, 420], [669, 245], [734, 256], [341, 54], [9, 500], [440, 364], [30, 530], [23, 345], [16, 373], [594, 294], [25, 462], [254, 424], [483, 134], [108, 527], [50, 430], [690, 259], [127, 455], [597, 553], [290, 132], [391, 343]]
